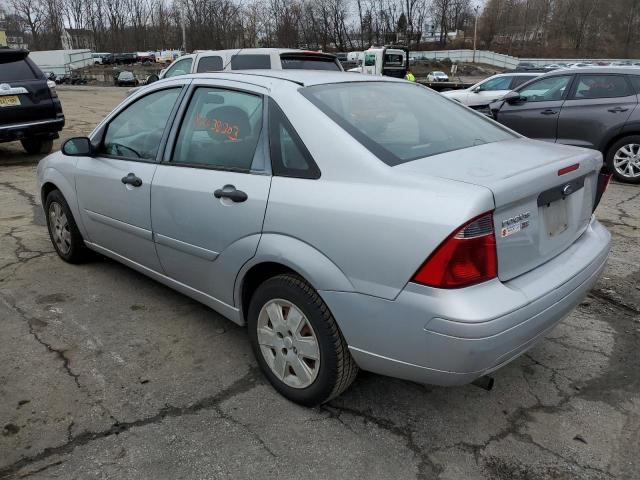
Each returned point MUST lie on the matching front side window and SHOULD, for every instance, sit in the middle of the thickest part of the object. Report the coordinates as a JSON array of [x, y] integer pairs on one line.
[[181, 67], [220, 129], [546, 89], [369, 60], [210, 64], [250, 62], [136, 132], [400, 122], [601, 86]]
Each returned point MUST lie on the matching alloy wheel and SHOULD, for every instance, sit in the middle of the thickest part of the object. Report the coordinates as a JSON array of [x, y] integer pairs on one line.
[[626, 160], [288, 343], [59, 225]]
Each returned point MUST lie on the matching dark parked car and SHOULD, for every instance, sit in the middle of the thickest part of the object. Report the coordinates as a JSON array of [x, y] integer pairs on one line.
[[125, 58], [30, 110], [525, 67], [594, 107], [126, 79]]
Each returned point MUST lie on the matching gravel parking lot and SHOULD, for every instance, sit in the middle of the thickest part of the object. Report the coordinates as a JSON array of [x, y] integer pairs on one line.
[[105, 373]]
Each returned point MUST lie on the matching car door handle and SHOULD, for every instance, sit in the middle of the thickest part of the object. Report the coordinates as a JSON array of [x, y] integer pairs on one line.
[[132, 180], [230, 192], [548, 111], [618, 110]]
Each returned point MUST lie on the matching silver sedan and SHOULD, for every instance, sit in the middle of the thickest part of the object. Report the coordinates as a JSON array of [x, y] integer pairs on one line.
[[349, 221]]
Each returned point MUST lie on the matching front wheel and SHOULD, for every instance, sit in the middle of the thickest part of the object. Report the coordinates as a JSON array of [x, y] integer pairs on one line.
[[623, 159], [63, 231], [297, 342]]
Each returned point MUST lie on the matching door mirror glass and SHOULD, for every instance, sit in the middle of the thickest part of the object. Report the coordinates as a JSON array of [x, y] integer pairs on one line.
[[152, 78], [77, 147], [513, 97]]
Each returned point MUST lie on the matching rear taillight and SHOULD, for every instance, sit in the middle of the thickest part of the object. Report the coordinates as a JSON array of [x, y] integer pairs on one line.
[[603, 183], [52, 88], [466, 257]]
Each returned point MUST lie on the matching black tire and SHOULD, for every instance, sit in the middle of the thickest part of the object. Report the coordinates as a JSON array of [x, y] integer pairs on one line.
[[337, 368], [631, 139], [78, 251], [37, 145]]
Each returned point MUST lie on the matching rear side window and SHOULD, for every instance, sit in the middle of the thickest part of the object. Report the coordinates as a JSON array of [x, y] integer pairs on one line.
[[210, 64], [309, 63], [498, 83], [289, 156], [520, 80], [220, 130], [181, 67], [635, 82], [601, 86], [16, 71], [250, 62], [400, 122]]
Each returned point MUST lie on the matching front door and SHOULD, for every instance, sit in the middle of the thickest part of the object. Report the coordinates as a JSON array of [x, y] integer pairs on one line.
[[209, 196], [114, 187], [599, 106], [536, 114]]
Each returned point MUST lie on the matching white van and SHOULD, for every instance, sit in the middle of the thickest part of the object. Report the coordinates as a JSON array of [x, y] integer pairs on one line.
[[251, 59]]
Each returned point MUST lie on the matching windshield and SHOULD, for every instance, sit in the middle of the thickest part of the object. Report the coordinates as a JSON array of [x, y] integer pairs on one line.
[[400, 122]]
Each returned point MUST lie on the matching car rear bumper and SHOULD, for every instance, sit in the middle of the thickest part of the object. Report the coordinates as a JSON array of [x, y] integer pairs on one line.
[[451, 337], [18, 131]]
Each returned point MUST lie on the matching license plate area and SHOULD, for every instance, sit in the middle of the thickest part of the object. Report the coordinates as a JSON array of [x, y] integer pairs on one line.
[[555, 217], [9, 101]]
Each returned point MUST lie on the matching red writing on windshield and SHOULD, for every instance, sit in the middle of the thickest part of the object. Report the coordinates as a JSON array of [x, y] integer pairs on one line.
[[220, 127]]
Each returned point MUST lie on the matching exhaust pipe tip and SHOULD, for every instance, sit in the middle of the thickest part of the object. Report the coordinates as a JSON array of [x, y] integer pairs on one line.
[[485, 382]]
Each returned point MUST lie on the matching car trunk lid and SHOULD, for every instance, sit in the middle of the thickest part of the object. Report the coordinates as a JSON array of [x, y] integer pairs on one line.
[[544, 195]]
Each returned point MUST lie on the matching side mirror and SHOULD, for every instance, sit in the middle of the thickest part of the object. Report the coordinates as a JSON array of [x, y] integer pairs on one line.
[[152, 78], [513, 97], [77, 147], [476, 90]]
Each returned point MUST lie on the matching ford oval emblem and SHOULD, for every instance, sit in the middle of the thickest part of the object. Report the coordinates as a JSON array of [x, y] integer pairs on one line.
[[5, 86], [567, 189]]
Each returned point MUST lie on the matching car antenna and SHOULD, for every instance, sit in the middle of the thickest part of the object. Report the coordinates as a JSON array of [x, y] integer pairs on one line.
[[230, 59]]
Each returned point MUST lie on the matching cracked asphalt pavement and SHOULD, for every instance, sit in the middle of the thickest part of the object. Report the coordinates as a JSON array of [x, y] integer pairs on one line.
[[105, 373]]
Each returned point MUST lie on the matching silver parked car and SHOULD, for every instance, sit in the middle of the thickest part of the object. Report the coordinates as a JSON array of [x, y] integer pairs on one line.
[[349, 221]]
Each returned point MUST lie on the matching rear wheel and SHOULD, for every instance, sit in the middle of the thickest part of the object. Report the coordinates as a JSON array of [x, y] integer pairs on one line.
[[297, 341], [63, 231], [37, 145], [623, 159]]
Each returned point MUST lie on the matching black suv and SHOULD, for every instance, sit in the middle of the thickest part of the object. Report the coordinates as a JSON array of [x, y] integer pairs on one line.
[[30, 110]]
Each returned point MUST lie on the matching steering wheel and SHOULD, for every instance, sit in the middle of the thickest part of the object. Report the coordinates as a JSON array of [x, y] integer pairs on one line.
[[119, 146]]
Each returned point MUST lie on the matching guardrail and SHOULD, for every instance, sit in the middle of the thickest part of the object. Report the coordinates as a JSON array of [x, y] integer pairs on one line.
[[501, 60]]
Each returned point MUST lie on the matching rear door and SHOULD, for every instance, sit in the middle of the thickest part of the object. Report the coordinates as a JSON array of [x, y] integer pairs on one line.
[[536, 116], [24, 94], [209, 194], [598, 106], [114, 186]]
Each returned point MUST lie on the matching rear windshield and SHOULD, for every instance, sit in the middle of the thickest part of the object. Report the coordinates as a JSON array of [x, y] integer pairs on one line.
[[16, 71], [400, 122], [250, 62], [307, 63]]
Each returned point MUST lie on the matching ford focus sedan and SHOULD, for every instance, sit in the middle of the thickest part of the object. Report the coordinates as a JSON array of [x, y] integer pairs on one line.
[[348, 221]]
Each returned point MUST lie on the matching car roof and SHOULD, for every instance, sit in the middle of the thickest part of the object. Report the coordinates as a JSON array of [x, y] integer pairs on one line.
[[597, 69], [306, 78], [256, 51]]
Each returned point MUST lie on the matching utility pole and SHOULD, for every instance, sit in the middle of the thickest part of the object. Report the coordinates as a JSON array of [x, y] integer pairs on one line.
[[475, 31]]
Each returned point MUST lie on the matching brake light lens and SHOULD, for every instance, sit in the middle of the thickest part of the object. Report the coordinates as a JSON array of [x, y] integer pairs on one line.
[[467, 257], [52, 88]]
